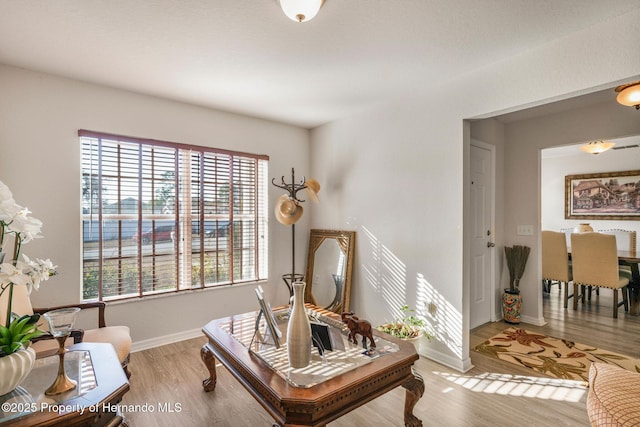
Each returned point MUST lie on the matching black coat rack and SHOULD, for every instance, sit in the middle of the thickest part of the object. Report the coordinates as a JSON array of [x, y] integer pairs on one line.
[[292, 189]]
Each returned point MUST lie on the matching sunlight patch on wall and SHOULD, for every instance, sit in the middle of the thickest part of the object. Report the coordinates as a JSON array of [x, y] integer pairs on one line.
[[445, 322], [385, 274], [519, 385]]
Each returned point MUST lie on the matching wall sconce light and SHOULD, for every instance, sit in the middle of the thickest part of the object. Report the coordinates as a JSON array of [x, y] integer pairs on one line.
[[301, 10], [597, 147], [629, 94]]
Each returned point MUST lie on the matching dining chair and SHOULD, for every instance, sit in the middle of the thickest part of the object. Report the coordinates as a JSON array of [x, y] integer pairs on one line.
[[118, 336], [625, 241], [555, 262], [595, 263]]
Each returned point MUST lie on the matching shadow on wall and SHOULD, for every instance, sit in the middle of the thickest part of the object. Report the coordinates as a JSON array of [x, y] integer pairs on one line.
[[445, 322], [386, 275]]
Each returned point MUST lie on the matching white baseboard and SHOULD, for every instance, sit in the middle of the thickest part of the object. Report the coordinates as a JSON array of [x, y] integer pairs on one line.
[[538, 321], [165, 339], [447, 360]]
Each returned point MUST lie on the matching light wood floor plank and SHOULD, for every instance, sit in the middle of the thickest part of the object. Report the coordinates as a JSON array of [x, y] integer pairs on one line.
[[172, 374]]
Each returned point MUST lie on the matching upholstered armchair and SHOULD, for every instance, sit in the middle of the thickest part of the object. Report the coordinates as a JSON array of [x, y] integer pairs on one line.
[[118, 336]]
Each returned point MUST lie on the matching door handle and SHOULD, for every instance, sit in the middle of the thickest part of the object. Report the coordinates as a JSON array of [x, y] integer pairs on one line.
[[490, 244]]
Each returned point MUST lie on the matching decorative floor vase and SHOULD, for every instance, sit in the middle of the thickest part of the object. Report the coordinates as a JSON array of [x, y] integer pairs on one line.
[[14, 368], [298, 330], [511, 306]]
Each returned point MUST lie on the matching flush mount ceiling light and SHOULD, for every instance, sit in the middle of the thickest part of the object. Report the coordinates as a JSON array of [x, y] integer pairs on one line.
[[301, 10], [629, 95], [597, 147]]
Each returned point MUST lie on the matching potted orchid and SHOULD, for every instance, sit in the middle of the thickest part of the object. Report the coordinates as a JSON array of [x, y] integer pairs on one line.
[[16, 332]]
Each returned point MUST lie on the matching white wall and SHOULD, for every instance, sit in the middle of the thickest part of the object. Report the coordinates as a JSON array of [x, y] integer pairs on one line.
[[556, 164], [40, 162], [398, 174]]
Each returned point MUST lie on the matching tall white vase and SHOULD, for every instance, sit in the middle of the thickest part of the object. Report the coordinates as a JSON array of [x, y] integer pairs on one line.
[[299, 330]]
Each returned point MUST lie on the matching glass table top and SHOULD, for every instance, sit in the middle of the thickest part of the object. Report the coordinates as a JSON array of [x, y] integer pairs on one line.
[[344, 357], [30, 397]]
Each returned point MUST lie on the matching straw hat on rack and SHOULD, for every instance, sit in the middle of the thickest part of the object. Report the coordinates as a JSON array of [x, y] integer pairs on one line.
[[287, 210], [312, 187]]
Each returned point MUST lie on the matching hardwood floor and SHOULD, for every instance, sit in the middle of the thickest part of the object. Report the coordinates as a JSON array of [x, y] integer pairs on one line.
[[169, 377]]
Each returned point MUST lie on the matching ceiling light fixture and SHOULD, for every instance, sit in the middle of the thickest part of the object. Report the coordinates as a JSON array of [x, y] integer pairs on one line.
[[301, 10], [629, 95], [597, 147]]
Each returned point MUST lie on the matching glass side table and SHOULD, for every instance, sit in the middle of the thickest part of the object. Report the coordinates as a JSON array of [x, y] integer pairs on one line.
[[100, 380]]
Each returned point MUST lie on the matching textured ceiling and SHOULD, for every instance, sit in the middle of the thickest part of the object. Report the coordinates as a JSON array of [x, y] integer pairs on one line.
[[246, 56]]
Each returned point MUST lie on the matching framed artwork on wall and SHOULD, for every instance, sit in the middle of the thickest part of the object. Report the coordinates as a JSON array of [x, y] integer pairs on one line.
[[608, 195]]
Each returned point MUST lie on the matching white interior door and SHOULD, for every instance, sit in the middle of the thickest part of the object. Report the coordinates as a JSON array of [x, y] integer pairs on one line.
[[482, 238]]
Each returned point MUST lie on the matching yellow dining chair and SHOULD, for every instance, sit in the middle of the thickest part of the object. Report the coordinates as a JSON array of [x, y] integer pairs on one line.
[[595, 263], [118, 336], [625, 239], [555, 262]]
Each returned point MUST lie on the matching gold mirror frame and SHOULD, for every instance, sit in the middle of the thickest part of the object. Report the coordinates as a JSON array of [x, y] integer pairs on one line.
[[346, 242]]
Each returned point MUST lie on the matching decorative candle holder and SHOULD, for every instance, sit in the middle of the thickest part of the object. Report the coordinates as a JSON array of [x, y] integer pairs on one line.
[[60, 325]]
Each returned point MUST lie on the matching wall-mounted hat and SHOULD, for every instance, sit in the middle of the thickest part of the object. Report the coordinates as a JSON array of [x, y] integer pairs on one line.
[[312, 187], [287, 210]]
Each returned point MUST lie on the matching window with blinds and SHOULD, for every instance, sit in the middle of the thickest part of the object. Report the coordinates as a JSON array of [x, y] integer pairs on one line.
[[162, 217]]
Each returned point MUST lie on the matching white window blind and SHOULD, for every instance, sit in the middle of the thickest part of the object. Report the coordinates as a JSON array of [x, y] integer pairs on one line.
[[163, 217]]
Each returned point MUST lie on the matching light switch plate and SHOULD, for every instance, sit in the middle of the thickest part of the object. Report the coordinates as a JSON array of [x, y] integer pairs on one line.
[[525, 230]]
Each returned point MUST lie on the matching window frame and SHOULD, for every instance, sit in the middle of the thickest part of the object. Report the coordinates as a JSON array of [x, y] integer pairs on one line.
[[247, 172]]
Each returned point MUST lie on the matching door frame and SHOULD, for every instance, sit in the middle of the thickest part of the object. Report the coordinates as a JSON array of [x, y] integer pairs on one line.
[[493, 315]]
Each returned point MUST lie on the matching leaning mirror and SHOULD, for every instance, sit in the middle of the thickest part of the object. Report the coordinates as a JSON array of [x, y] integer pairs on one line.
[[329, 269]]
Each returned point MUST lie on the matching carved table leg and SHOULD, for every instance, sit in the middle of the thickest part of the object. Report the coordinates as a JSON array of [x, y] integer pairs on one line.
[[206, 354], [415, 390]]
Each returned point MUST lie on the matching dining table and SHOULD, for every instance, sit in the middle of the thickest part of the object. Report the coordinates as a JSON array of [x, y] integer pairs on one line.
[[632, 259]]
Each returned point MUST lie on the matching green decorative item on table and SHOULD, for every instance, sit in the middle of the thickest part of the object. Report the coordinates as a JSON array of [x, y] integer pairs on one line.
[[19, 333], [16, 332], [407, 326], [516, 257]]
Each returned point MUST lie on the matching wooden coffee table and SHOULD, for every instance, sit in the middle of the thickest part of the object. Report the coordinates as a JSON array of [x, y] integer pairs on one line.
[[317, 405]]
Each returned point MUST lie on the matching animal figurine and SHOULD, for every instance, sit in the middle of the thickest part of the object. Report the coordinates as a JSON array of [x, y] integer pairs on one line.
[[357, 326], [346, 314]]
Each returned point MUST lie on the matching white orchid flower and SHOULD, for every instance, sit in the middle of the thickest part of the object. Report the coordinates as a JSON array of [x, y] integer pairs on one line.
[[29, 273], [5, 193], [8, 210], [15, 275], [38, 270], [25, 225]]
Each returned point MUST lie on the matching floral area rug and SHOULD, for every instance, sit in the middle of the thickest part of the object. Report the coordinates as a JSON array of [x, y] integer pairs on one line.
[[552, 356]]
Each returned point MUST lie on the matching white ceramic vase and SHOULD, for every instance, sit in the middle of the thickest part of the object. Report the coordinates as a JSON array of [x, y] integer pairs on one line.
[[14, 368], [583, 228], [298, 330]]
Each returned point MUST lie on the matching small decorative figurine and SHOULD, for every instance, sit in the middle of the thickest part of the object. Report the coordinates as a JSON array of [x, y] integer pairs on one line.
[[357, 326]]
